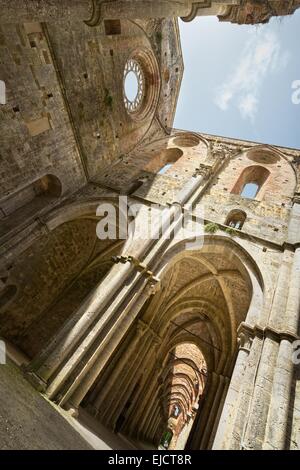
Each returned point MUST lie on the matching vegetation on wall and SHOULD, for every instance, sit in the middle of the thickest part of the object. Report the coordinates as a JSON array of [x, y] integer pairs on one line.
[[212, 227]]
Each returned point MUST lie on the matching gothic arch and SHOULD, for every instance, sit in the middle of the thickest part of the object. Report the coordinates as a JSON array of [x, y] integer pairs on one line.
[[281, 181], [201, 303], [64, 264], [255, 175]]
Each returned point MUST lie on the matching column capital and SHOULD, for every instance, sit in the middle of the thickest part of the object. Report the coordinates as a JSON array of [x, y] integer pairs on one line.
[[140, 267], [203, 170], [245, 341], [141, 327], [194, 10], [153, 286], [296, 198], [247, 333], [245, 337]]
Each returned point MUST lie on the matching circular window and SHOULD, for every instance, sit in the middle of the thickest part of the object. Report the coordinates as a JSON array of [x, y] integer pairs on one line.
[[133, 85], [141, 84], [264, 157], [186, 140]]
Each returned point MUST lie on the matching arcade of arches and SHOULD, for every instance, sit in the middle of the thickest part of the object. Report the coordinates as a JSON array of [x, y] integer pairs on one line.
[[182, 340], [185, 339]]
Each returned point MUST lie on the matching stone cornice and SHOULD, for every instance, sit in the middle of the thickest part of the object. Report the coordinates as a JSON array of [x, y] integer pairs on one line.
[[194, 10], [266, 332]]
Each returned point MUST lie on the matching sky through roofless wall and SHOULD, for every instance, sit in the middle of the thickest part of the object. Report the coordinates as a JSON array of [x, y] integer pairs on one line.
[[238, 80]]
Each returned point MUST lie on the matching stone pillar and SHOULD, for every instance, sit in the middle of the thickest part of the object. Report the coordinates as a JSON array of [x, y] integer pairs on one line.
[[278, 307], [184, 435], [67, 368], [151, 388], [254, 427], [139, 412], [149, 431], [112, 384], [277, 423], [220, 381], [149, 412], [84, 380], [156, 436], [256, 416], [219, 408], [225, 426], [293, 303], [189, 189], [275, 436], [126, 383], [204, 411], [49, 360]]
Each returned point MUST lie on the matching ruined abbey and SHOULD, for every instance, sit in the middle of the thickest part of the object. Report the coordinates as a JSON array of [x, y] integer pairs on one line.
[[182, 339]]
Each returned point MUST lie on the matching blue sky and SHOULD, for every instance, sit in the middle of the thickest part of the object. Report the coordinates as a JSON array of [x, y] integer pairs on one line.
[[238, 80]]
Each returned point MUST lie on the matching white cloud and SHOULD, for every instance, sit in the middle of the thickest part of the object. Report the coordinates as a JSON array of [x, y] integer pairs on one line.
[[261, 56], [248, 106]]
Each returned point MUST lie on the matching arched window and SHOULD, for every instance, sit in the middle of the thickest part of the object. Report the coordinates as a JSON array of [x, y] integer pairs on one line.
[[250, 190], [165, 168], [164, 160], [236, 219], [176, 411], [251, 181], [134, 187]]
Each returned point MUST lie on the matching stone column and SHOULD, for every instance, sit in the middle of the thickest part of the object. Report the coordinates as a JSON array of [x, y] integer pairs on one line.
[[148, 432], [184, 435], [213, 410], [49, 360], [275, 436], [254, 427], [126, 383], [277, 423], [219, 408], [67, 368], [205, 411], [281, 293], [293, 303], [139, 411], [155, 432], [245, 339], [84, 380], [150, 410], [112, 384]]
